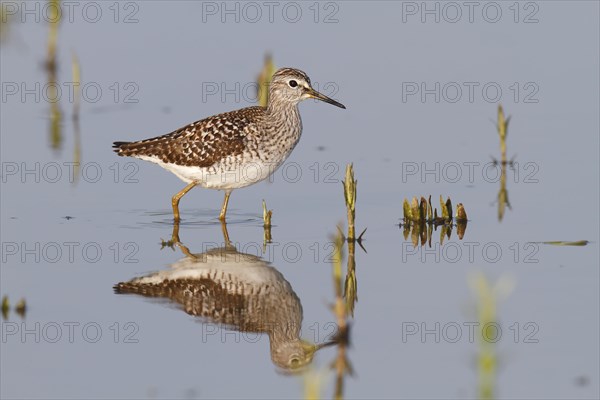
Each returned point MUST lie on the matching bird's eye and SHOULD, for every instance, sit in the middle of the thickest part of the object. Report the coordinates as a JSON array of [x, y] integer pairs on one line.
[[294, 362], [293, 83]]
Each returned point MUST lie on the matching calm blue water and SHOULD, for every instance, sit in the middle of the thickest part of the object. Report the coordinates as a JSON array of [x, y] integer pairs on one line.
[[421, 99]]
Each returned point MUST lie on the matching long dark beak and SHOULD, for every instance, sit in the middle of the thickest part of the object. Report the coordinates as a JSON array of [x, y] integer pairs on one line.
[[316, 95]]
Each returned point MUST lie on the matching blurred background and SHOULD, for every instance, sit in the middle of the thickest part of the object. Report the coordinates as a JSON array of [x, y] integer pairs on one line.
[[422, 83]]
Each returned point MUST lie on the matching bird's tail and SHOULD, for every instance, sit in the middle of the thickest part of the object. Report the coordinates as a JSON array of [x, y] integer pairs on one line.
[[134, 149], [135, 287], [147, 147], [121, 148]]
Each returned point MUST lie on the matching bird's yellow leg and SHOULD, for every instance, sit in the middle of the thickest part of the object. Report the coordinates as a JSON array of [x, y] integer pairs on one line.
[[177, 197], [224, 208], [175, 233], [176, 242], [225, 234]]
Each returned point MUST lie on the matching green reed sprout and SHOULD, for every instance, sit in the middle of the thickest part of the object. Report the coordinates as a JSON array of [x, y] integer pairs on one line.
[[267, 214], [407, 211], [502, 126], [445, 212], [461, 214], [420, 218], [264, 80], [350, 197], [422, 211]]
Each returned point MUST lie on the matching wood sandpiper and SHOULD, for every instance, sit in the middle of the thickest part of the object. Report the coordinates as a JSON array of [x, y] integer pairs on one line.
[[234, 149], [239, 292]]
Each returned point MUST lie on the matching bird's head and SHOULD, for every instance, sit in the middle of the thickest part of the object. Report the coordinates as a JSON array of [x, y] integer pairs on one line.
[[293, 356], [290, 85]]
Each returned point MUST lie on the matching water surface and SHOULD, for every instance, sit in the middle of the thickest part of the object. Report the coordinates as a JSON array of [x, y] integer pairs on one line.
[[155, 75]]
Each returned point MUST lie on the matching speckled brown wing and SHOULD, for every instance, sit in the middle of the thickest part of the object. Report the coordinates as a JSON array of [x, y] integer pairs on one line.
[[200, 144], [260, 309], [198, 297]]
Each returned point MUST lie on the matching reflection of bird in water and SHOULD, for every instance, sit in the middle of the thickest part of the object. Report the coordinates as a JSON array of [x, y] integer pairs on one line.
[[240, 291]]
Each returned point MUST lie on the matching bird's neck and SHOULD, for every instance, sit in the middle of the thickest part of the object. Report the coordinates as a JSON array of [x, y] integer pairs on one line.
[[282, 109], [283, 331], [285, 115]]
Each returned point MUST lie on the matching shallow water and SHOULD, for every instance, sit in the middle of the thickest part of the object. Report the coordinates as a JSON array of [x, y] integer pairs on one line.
[[92, 343]]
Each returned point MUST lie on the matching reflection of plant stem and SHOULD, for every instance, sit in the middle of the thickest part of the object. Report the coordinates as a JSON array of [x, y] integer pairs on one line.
[[341, 364], [52, 94], [339, 309], [338, 255], [55, 113], [503, 201], [339, 377], [267, 238], [76, 105], [488, 330], [77, 149], [444, 231], [313, 382], [486, 315], [345, 298], [350, 285]]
